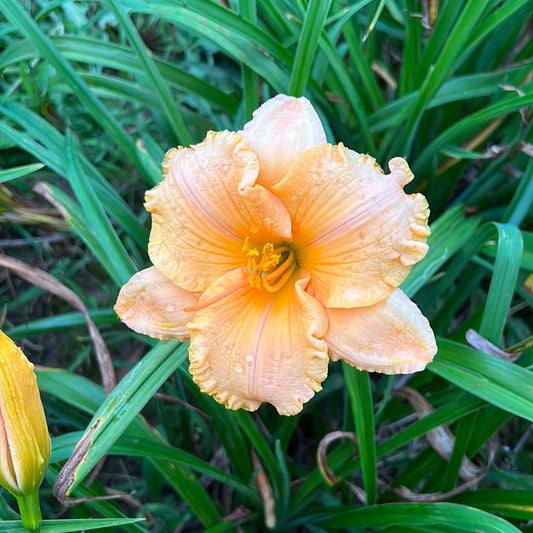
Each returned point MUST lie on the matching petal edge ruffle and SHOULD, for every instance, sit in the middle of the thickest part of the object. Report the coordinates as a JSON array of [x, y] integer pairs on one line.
[[206, 205], [356, 230], [391, 337], [265, 347], [152, 305]]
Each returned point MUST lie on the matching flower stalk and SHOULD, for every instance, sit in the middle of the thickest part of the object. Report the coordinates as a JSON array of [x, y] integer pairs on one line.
[[30, 510]]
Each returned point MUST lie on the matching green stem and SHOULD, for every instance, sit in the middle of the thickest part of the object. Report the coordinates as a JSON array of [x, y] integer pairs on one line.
[[30, 511]]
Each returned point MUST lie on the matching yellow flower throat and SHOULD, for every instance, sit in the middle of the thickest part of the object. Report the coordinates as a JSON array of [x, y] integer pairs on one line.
[[271, 268], [268, 270]]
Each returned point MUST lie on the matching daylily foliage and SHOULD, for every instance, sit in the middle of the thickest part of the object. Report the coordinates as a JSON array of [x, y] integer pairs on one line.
[[274, 251]]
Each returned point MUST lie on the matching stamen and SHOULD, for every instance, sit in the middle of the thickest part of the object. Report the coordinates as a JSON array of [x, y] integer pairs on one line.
[[274, 267]]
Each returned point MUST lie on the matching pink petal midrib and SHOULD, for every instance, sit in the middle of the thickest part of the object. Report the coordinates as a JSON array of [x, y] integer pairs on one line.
[[352, 219]]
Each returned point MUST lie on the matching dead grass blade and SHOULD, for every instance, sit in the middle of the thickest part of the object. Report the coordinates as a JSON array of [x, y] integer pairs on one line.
[[48, 283], [441, 438], [265, 490], [322, 460]]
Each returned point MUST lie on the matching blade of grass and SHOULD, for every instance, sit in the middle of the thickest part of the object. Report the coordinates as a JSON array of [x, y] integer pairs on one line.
[[85, 49], [121, 407], [53, 155], [463, 127], [450, 233], [75, 218], [347, 83], [77, 391], [133, 446], [511, 503], [237, 37], [361, 65], [313, 24], [69, 525], [14, 173], [161, 89], [522, 200], [248, 11], [454, 517], [27, 27], [411, 51], [360, 394], [116, 256], [503, 282], [453, 47], [263, 449], [485, 376]]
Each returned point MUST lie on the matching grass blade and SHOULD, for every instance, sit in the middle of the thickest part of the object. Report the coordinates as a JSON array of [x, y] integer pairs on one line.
[[27, 26], [116, 256], [171, 113], [502, 285], [315, 18], [360, 394], [486, 376]]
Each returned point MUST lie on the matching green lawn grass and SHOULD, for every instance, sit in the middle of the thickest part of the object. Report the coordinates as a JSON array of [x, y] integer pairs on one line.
[[94, 93]]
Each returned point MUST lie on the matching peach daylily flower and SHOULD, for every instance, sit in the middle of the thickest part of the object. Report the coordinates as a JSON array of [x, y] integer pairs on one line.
[[274, 251]]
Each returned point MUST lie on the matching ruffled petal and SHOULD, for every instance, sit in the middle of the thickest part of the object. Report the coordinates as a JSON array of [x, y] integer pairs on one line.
[[355, 230], [152, 305], [392, 336], [206, 205], [281, 130], [254, 346]]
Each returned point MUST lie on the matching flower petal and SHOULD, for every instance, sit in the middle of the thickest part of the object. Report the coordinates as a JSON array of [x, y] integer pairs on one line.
[[254, 346], [281, 130], [357, 232], [392, 336], [205, 207], [152, 305], [24, 431]]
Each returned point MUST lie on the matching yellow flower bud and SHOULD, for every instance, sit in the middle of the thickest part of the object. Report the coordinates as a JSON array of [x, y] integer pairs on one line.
[[24, 439]]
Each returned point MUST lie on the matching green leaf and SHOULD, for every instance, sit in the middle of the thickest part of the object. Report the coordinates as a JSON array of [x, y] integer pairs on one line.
[[449, 234], [18, 172], [161, 89], [85, 49], [31, 31], [125, 402], [502, 285], [138, 447], [116, 258], [453, 47], [360, 394], [511, 503], [68, 525], [486, 376], [453, 516], [315, 18]]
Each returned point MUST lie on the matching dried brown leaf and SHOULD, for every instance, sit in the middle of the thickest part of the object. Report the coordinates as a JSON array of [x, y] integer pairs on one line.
[[480, 343], [440, 438], [48, 283], [265, 490], [322, 461]]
